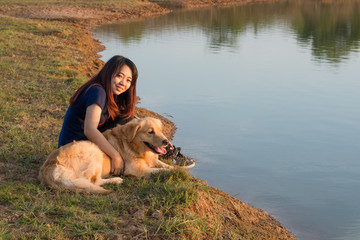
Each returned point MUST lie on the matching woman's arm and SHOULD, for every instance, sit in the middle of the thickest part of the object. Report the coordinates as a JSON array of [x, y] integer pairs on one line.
[[92, 119]]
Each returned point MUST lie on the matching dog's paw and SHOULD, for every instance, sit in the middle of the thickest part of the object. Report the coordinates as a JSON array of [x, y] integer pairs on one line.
[[115, 180], [107, 191]]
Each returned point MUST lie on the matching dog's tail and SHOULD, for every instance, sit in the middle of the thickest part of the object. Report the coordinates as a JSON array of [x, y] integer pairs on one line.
[[56, 178]]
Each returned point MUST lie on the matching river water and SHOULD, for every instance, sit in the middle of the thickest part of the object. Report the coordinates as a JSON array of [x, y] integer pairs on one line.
[[265, 98]]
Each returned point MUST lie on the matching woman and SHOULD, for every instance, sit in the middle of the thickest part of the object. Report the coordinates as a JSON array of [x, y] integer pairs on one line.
[[106, 100], [108, 97]]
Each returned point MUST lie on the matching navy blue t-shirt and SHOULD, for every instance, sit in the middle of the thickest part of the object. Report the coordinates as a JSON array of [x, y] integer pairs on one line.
[[73, 126]]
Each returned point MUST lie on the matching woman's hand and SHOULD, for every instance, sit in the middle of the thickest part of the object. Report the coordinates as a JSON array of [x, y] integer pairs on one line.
[[117, 165], [92, 119]]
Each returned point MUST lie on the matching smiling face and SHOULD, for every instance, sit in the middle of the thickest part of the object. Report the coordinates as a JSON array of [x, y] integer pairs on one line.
[[121, 81]]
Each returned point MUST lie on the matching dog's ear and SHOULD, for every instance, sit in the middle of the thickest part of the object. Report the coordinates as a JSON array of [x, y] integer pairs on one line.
[[131, 128]]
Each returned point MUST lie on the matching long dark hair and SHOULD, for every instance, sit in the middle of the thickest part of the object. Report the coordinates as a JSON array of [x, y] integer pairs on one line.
[[122, 105]]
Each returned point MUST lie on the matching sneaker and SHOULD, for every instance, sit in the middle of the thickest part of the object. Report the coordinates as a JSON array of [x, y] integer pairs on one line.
[[171, 151], [177, 158]]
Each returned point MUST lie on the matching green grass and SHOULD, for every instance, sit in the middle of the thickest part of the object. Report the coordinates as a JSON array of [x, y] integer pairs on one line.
[[36, 65], [82, 3], [34, 212], [33, 84], [40, 4]]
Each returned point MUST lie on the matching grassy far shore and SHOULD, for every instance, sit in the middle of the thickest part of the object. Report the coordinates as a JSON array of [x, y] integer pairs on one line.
[[46, 53]]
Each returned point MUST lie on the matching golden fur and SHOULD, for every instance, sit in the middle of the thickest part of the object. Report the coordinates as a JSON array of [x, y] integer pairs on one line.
[[82, 166]]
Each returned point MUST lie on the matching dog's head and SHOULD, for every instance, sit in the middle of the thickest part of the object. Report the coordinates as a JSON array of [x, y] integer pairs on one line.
[[147, 134]]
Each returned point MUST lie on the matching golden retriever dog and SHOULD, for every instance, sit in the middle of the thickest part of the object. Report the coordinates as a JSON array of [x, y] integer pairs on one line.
[[82, 166]]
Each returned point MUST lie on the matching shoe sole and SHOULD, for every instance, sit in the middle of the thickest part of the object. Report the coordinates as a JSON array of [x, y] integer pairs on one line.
[[186, 167]]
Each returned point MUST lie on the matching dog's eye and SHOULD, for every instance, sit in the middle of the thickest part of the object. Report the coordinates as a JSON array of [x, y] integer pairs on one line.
[[151, 131]]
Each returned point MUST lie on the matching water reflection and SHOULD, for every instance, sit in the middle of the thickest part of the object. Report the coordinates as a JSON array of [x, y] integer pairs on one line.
[[263, 121], [331, 30]]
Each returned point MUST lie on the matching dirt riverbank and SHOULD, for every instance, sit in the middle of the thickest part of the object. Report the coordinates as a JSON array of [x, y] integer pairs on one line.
[[254, 223]]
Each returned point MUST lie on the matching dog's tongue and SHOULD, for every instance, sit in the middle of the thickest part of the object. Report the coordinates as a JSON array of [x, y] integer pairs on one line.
[[160, 150]]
